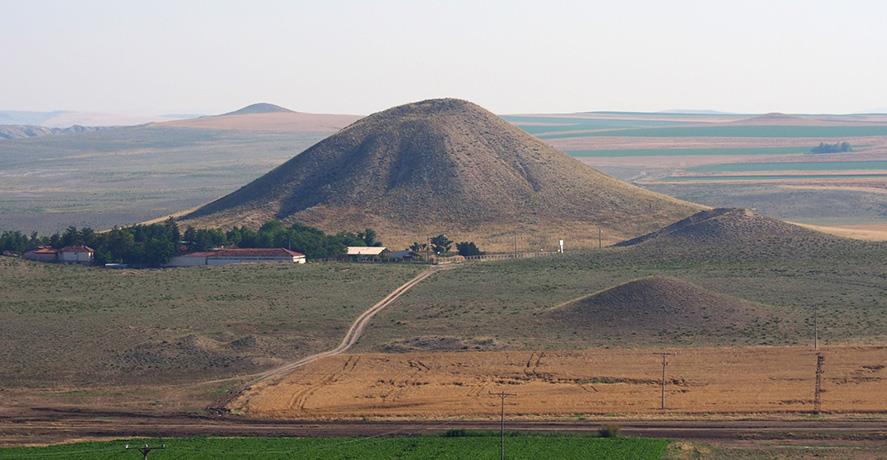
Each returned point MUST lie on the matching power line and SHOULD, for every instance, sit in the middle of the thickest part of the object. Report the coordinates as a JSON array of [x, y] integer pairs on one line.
[[817, 395], [502, 395], [662, 381]]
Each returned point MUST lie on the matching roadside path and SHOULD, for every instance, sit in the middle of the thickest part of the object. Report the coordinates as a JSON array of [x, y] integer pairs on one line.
[[349, 340], [354, 332]]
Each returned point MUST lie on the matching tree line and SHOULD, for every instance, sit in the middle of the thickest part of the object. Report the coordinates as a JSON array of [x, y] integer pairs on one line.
[[838, 147], [154, 244], [441, 245]]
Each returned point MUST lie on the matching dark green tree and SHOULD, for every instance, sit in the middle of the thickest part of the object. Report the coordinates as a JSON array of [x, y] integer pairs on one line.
[[468, 248], [441, 245]]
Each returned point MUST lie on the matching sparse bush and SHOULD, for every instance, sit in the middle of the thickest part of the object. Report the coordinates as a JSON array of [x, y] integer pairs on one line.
[[609, 431]]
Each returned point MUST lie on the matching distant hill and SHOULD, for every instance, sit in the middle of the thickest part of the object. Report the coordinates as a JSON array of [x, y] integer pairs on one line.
[[660, 306], [262, 107], [67, 118], [264, 117], [26, 131], [445, 165]]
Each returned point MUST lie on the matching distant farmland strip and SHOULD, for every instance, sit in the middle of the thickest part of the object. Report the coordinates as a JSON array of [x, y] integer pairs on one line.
[[734, 131], [774, 177], [728, 151], [541, 125], [794, 166]]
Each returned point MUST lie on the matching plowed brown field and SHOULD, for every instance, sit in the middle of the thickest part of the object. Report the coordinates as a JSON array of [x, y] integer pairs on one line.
[[729, 380]]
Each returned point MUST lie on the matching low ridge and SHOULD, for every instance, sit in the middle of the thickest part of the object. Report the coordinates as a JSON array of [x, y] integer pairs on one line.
[[659, 307], [261, 107], [732, 227], [445, 166]]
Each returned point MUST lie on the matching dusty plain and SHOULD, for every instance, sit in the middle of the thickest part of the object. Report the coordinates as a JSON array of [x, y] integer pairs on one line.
[[575, 384]]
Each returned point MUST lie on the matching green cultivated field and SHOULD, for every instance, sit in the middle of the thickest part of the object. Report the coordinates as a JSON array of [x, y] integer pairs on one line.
[[734, 131], [775, 177], [794, 166], [558, 124], [824, 207], [725, 151], [410, 447]]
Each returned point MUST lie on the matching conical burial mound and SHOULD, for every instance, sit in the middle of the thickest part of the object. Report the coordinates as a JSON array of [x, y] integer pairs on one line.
[[446, 166], [664, 309]]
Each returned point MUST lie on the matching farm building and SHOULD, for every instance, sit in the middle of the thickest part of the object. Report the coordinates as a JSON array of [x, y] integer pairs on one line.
[[42, 254], [366, 251], [238, 256], [78, 254]]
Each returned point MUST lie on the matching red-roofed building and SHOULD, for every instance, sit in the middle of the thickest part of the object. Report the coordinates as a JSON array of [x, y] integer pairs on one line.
[[238, 256], [78, 254], [42, 254]]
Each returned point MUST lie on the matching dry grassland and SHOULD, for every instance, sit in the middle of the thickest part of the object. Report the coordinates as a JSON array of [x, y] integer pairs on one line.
[[727, 380]]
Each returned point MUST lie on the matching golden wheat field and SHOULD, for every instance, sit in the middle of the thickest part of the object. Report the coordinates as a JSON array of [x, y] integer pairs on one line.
[[571, 383]]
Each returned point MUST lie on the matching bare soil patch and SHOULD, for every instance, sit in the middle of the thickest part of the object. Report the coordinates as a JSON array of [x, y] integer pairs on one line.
[[715, 380]]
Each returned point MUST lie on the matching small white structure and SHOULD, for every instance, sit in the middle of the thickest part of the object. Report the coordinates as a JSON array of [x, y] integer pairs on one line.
[[365, 251], [238, 256], [79, 254]]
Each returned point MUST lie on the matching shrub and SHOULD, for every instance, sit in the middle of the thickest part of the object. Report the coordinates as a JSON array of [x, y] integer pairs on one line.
[[609, 431]]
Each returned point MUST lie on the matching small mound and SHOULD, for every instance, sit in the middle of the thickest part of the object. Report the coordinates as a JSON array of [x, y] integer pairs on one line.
[[261, 107], [663, 308]]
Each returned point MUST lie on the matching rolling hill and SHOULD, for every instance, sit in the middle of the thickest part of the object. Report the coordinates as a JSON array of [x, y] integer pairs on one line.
[[445, 165], [738, 233], [267, 118], [660, 306]]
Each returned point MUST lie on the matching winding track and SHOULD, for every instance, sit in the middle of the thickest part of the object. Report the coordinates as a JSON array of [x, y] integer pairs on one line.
[[349, 340]]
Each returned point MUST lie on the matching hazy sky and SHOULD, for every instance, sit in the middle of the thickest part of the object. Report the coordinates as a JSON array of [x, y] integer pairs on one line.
[[510, 56]]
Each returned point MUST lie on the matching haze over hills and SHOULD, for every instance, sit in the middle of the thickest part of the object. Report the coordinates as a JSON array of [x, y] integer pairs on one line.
[[8, 132], [260, 107], [264, 117], [68, 118], [444, 165]]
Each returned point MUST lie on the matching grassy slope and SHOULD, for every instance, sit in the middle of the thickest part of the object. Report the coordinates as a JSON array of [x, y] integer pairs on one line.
[[70, 325], [508, 300], [410, 447]]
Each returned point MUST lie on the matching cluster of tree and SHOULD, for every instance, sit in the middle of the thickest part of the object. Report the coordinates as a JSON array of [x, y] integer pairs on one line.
[[837, 147], [155, 244], [150, 245], [441, 246]]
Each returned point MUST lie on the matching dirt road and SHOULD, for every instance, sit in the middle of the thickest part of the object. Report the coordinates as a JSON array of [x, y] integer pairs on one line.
[[351, 337], [52, 426]]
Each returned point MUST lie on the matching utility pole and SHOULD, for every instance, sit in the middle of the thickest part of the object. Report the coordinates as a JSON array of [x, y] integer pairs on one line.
[[817, 396], [515, 245], [146, 449], [502, 395], [662, 381], [600, 235], [815, 328]]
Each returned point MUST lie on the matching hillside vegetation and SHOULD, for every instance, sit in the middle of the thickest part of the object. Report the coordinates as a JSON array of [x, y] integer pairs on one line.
[[445, 166], [94, 326], [753, 281]]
